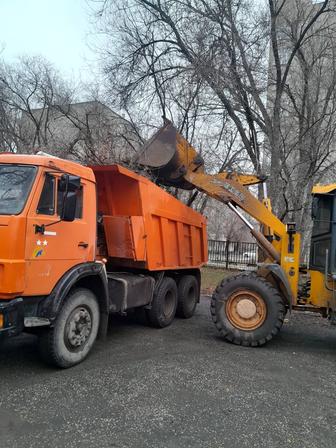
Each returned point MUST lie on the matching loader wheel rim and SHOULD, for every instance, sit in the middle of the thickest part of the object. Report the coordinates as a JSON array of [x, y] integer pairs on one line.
[[246, 310]]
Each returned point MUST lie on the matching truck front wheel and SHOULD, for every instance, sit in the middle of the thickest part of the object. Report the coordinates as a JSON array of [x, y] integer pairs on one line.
[[74, 331], [247, 310], [163, 308]]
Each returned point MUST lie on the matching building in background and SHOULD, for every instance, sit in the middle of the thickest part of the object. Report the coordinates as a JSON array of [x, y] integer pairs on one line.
[[89, 132]]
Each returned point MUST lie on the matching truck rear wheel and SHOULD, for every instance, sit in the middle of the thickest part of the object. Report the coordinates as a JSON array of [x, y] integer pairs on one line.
[[74, 332], [164, 304], [247, 310], [188, 296]]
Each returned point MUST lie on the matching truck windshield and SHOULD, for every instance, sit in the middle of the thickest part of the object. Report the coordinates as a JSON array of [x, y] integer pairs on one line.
[[15, 185]]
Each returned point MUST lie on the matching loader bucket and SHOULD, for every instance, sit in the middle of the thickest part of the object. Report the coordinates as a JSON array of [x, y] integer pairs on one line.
[[169, 156]]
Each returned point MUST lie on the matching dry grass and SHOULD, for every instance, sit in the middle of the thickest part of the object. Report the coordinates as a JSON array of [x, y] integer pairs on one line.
[[211, 277]]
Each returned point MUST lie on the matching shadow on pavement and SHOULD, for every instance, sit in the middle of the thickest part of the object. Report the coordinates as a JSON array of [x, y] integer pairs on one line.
[[303, 334]]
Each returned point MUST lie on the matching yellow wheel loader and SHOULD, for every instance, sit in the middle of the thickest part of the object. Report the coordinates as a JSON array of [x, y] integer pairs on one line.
[[249, 309]]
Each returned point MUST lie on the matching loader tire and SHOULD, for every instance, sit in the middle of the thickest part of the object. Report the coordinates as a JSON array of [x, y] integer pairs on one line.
[[74, 331], [164, 304], [188, 296], [247, 310]]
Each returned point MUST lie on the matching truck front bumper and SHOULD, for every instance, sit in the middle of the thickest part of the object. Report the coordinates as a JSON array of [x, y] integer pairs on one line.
[[11, 318]]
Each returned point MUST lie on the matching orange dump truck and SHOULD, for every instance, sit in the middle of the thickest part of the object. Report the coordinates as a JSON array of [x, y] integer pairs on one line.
[[79, 243]]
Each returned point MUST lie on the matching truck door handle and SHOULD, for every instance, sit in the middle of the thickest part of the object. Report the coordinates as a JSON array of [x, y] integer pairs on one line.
[[83, 244]]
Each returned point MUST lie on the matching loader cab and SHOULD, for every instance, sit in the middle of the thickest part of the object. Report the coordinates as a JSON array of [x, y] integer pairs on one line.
[[324, 229]]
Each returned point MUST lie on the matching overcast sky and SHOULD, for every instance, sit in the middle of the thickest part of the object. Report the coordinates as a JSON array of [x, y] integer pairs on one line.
[[57, 29]]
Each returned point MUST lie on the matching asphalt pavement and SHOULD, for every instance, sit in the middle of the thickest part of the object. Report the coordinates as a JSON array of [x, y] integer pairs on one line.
[[177, 387]]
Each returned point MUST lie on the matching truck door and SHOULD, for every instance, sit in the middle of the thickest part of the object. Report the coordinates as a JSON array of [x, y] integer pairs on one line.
[[63, 244]]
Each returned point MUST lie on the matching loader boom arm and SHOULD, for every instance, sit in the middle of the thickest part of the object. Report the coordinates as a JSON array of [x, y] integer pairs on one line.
[[234, 194], [178, 164]]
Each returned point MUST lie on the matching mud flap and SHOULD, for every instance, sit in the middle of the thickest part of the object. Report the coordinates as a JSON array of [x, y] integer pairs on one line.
[[280, 279]]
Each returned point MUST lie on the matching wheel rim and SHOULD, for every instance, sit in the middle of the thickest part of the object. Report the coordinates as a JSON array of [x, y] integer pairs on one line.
[[246, 310], [78, 328], [169, 304]]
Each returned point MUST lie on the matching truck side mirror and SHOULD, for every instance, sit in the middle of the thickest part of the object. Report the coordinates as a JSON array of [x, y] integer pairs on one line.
[[69, 185], [68, 182]]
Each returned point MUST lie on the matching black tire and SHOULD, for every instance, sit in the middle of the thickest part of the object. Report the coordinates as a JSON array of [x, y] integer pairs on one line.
[[268, 321], [62, 345], [188, 296], [164, 304]]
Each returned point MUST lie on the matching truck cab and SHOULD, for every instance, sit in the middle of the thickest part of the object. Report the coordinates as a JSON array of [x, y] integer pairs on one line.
[[48, 244], [40, 238]]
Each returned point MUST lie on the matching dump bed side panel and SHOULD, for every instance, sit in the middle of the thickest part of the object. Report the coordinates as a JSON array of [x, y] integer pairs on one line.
[[176, 233], [125, 237], [144, 224]]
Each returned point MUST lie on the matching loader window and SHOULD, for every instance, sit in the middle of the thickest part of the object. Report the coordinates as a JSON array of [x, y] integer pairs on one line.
[[15, 185], [321, 240], [318, 252], [322, 219], [46, 205]]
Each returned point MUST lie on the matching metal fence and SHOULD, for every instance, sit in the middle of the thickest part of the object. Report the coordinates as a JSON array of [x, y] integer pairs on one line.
[[233, 254]]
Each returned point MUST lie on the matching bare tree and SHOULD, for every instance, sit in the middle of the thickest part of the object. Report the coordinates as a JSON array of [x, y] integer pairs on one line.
[[92, 133], [152, 83], [38, 110], [308, 104], [217, 52], [28, 90]]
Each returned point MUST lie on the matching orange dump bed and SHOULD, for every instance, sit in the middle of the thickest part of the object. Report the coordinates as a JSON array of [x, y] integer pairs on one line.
[[146, 227]]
